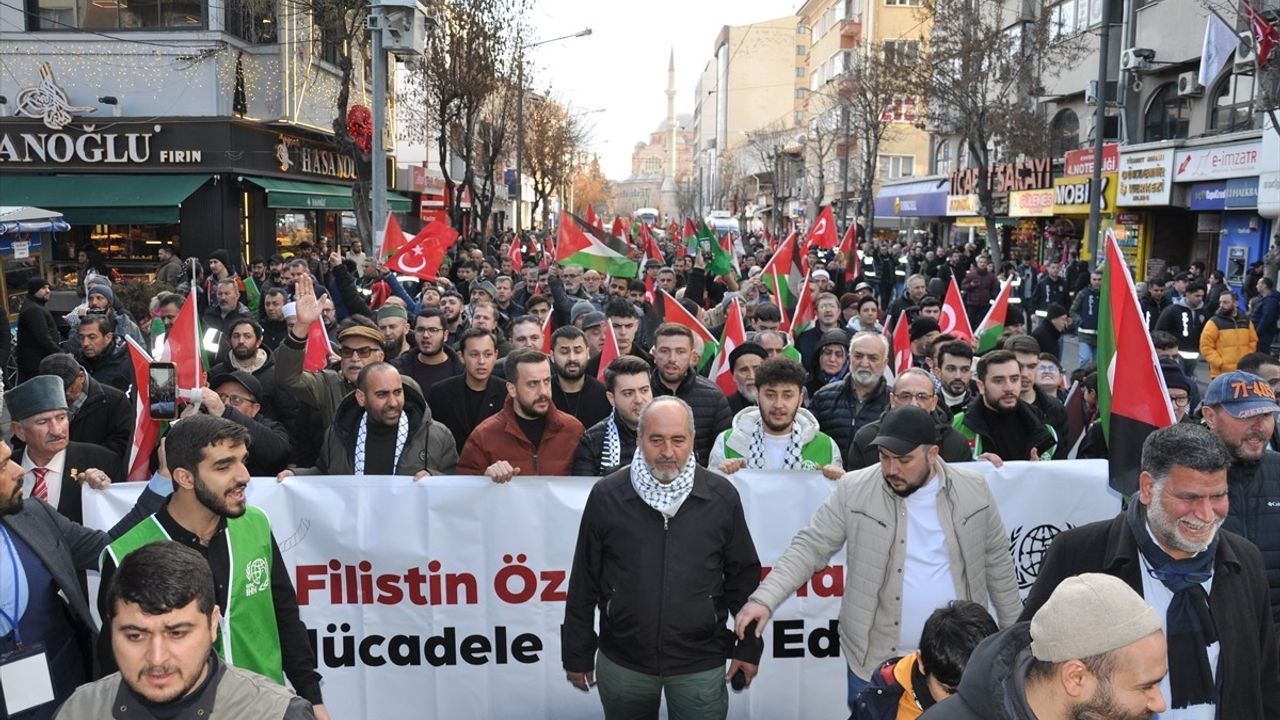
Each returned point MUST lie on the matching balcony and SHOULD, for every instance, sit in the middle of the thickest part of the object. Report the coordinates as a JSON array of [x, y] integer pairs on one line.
[[851, 31]]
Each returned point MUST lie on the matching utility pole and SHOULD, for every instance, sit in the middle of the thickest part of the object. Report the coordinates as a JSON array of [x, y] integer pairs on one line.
[[378, 151], [1099, 133], [844, 166]]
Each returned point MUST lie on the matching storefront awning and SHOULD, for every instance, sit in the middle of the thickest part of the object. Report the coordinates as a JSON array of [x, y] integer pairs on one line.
[[104, 199], [295, 194]]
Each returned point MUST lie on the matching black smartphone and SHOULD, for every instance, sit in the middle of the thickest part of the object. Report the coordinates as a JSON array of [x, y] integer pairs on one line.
[[162, 391]]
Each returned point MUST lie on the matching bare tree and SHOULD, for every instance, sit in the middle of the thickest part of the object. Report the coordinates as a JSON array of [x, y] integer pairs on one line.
[[877, 99], [552, 136], [822, 135], [981, 71], [494, 138]]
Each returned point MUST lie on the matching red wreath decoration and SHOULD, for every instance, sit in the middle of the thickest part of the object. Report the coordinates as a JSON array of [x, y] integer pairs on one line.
[[360, 126]]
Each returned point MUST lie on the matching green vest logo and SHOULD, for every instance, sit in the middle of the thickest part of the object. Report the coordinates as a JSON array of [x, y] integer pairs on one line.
[[258, 575]]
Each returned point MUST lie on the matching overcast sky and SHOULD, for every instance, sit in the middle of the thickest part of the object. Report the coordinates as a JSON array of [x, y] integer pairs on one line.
[[621, 68]]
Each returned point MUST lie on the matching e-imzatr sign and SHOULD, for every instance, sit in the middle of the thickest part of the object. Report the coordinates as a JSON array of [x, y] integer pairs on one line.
[[1214, 163]]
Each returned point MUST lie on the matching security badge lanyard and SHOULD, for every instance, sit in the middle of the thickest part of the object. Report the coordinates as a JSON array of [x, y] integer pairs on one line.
[[25, 678]]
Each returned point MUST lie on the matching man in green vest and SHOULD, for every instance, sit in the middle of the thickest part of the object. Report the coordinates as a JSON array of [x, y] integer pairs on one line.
[[260, 629], [778, 434]]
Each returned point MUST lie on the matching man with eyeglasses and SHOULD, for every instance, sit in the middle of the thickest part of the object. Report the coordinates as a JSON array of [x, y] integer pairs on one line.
[[236, 396], [917, 387], [434, 361]]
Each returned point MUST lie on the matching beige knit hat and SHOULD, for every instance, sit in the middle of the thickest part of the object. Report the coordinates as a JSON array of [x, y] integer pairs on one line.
[[1089, 615]]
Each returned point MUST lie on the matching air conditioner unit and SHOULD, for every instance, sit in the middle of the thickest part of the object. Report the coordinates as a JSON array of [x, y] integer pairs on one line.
[[1136, 59], [1091, 93], [1245, 55], [1189, 84]]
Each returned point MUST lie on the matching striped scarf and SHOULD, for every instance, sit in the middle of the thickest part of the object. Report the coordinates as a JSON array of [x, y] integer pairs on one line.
[[402, 436], [755, 459], [667, 498]]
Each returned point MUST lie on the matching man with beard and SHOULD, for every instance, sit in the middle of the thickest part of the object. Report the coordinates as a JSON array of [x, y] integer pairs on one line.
[[393, 321], [861, 398], [1156, 300], [573, 389], [661, 542], [102, 353], [911, 497], [1228, 336], [1027, 350], [529, 435], [383, 428], [566, 289], [1206, 584], [464, 401], [165, 621], [622, 318], [1240, 409], [226, 310], [261, 629], [237, 396], [454, 322], [610, 443], [779, 434], [674, 375], [826, 319], [274, 325], [1049, 668], [37, 330], [743, 362], [1000, 425], [914, 386], [53, 466], [434, 361], [249, 355]]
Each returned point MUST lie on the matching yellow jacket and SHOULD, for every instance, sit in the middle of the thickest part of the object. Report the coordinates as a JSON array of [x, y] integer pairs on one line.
[[1225, 340]]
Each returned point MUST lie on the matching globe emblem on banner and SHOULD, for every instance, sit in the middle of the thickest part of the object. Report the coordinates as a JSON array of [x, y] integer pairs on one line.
[[1028, 551], [258, 575]]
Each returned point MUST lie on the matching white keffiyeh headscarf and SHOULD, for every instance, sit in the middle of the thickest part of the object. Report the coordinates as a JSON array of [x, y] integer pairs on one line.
[[667, 498], [402, 436]]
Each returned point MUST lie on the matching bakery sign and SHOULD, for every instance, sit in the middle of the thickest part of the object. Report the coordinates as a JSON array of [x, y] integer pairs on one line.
[[118, 145], [1145, 178]]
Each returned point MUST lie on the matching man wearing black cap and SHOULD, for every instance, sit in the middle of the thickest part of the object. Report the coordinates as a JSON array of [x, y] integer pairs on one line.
[[1048, 332], [743, 362], [37, 330], [910, 497], [922, 331], [53, 465], [237, 396], [100, 414]]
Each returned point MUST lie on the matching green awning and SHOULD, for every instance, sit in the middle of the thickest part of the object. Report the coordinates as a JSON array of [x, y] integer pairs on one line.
[[104, 199], [295, 194]]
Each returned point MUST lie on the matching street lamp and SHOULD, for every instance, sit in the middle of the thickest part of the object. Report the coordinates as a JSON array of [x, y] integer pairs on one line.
[[520, 118]]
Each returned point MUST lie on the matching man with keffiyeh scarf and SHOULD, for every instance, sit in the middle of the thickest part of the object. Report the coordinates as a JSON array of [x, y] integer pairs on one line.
[[1207, 584], [664, 554]]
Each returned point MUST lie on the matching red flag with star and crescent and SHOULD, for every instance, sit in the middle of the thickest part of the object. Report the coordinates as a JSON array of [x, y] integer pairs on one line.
[[425, 252], [954, 320]]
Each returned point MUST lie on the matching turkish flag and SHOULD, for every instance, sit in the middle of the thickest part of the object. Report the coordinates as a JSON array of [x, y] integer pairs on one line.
[[902, 358], [823, 231], [954, 320], [424, 253]]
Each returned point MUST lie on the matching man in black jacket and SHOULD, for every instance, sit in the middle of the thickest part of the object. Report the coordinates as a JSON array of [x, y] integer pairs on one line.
[[999, 424], [674, 375], [100, 414], [1185, 322], [844, 407], [1168, 546], [609, 444], [37, 330], [915, 386], [238, 396], [662, 614], [248, 353], [464, 401], [102, 353]]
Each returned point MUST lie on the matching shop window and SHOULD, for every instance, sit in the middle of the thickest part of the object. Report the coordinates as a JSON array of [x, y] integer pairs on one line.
[[116, 14], [1168, 116], [253, 21], [943, 158], [1064, 133], [1232, 108]]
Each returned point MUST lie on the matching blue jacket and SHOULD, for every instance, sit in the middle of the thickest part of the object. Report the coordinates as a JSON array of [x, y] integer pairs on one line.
[[1254, 495], [834, 406], [1266, 313]]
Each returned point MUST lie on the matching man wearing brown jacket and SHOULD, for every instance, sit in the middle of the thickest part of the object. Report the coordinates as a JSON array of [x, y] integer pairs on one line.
[[529, 435]]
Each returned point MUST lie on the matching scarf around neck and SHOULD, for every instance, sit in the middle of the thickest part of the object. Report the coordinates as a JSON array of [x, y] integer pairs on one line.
[[362, 435], [793, 461], [1189, 623], [667, 498]]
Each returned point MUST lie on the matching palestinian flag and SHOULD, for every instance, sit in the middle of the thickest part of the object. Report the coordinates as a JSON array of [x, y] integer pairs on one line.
[[721, 261], [578, 243], [735, 333], [146, 431], [783, 273], [1132, 398], [804, 315], [690, 234], [992, 326], [670, 310]]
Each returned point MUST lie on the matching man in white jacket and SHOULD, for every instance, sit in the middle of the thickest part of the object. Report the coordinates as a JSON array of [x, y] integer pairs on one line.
[[919, 534], [777, 434]]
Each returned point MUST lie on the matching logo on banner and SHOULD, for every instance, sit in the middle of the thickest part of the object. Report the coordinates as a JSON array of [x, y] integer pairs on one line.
[[258, 575], [1028, 550]]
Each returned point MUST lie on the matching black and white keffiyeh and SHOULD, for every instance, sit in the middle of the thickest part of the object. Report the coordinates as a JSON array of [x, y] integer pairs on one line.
[[755, 458], [612, 456], [667, 498], [402, 436]]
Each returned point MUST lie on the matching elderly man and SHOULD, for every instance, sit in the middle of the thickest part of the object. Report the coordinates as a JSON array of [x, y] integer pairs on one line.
[[163, 594], [674, 375], [226, 310], [384, 428], [99, 414], [843, 408], [1206, 584], [779, 434], [656, 635], [610, 443], [915, 387], [1094, 650], [743, 362], [958, 548], [53, 465]]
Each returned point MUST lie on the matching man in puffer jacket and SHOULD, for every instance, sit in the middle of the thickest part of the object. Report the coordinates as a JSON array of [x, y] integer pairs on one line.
[[1227, 337], [673, 356], [862, 397], [384, 427], [779, 434]]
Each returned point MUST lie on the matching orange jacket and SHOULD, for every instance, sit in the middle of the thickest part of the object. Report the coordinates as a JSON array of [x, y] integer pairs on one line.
[[499, 437], [1225, 340]]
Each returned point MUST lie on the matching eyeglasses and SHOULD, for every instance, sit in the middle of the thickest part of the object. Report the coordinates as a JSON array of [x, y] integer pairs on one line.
[[362, 352], [235, 400], [427, 331], [920, 397], [1180, 401]]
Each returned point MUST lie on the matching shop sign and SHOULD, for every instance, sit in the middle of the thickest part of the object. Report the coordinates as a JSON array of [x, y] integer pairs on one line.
[[21, 249], [1213, 163], [88, 146], [1241, 194], [1031, 203], [424, 182], [962, 205], [1006, 177], [1080, 162], [1208, 196], [1269, 179], [916, 199], [1128, 228], [1072, 195], [1145, 178], [313, 159]]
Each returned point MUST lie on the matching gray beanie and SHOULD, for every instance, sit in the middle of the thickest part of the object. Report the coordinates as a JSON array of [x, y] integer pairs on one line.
[[580, 308], [1089, 615]]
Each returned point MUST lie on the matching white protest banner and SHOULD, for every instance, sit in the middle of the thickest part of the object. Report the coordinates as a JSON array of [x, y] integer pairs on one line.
[[444, 598]]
